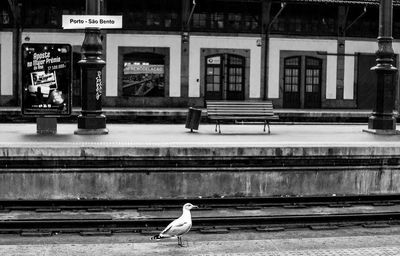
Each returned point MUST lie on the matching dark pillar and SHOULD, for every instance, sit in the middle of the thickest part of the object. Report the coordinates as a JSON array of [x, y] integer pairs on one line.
[[265, 30], [383, 120], [92, 120], [185, 49]]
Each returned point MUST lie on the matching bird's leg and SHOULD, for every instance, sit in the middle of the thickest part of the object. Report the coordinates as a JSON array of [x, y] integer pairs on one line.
[[180, 242]]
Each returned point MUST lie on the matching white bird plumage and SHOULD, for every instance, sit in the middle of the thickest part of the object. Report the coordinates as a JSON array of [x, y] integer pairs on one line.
[[178, 227]]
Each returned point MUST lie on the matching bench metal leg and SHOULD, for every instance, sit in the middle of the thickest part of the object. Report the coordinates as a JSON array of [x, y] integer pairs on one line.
[[219, 126], [267, 123]]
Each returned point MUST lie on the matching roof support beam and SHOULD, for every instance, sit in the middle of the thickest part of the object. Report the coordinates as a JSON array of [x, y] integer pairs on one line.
[[13, 7], [356, 19], [283, 5], [191, 14]]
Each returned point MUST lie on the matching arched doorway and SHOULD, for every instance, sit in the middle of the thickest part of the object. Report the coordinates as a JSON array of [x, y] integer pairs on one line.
[[302, 82], [225, 77], [291, 82], [312, 94]]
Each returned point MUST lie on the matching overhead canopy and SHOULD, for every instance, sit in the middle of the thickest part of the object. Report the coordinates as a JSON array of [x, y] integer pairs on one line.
[[349, 2]]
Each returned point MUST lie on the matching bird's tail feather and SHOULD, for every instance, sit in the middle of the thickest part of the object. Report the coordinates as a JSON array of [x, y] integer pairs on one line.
[[157, 237]]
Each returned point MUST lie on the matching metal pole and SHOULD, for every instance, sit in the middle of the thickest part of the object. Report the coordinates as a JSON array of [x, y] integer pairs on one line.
[[92, 120], [383, 120]]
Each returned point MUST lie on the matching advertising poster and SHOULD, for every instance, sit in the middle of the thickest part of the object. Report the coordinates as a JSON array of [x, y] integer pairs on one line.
[[46, 79]]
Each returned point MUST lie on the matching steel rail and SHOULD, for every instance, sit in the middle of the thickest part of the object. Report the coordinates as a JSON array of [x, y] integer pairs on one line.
[[204, 203], [199, 223]]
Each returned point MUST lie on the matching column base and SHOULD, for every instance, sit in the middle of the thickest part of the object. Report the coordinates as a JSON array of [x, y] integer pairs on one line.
[[91, 125], [382, 122], [91, 131], [382, 132]]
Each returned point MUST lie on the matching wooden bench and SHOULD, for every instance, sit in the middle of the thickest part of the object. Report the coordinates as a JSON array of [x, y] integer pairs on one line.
[[240, 110]]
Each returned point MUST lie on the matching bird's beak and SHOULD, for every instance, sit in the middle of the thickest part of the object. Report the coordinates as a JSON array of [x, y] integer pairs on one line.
[[195, 206]]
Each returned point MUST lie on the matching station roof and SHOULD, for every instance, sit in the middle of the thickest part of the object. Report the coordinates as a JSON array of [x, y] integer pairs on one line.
[[348, 2]]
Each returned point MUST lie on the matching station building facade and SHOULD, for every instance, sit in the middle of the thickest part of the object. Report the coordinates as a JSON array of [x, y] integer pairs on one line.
[[301, 54]]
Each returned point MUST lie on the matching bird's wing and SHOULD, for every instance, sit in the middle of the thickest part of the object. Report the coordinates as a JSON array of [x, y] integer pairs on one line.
[[176, 228]]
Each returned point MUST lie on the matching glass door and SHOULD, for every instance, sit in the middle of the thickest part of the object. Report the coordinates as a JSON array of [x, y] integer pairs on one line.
[[235, 81], [312, 94], [214, 77], [291, 83]]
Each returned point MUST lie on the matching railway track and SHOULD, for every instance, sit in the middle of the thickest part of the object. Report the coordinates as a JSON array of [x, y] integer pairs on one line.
[[204, 203], [106, 225]]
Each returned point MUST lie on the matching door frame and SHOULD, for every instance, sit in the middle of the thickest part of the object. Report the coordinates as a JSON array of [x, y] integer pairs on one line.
[[289, 53], [230, 95], [299, 89], [206, 52], [318, 105], [219, 95]]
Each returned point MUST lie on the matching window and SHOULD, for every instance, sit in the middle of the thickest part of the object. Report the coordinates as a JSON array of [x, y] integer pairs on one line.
[[5, 14], [48, 13], [234, 20], [143, 75], [367, 25], [213, 74], [199, 20], [235, 65], [313, 68], [148, 14], [305, 19], [217, 20], [292, 68], [227, 16]]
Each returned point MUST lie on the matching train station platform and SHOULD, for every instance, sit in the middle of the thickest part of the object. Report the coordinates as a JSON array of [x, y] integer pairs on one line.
[[174, 135], [178, 115], [348, 242], [149, 161], [155, 161]]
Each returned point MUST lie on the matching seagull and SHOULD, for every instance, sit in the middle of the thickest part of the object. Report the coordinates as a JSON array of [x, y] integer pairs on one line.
[[178, 227]]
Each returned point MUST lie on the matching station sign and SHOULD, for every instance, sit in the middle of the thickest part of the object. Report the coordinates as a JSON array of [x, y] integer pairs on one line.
[[46, 79], [91, 21]]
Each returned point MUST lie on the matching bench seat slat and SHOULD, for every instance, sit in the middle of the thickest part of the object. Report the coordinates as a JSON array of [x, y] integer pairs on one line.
[[244, 118], [219, 103], [240, 114], [239, 109], [270, 108]]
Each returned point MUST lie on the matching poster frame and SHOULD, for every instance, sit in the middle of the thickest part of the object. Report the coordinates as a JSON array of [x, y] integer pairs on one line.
[[45, 112]]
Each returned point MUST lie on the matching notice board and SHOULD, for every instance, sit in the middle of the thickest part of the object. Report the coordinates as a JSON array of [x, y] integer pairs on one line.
[[46, 79]]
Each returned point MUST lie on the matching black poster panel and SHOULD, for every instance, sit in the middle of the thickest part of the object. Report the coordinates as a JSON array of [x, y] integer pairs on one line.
[[46, 79]]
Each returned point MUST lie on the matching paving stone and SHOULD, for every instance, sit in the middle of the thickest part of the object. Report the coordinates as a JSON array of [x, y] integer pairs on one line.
[[270, 229], [376, 225], [376, 251], [96, 233], [214, 231], [322, 227]]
